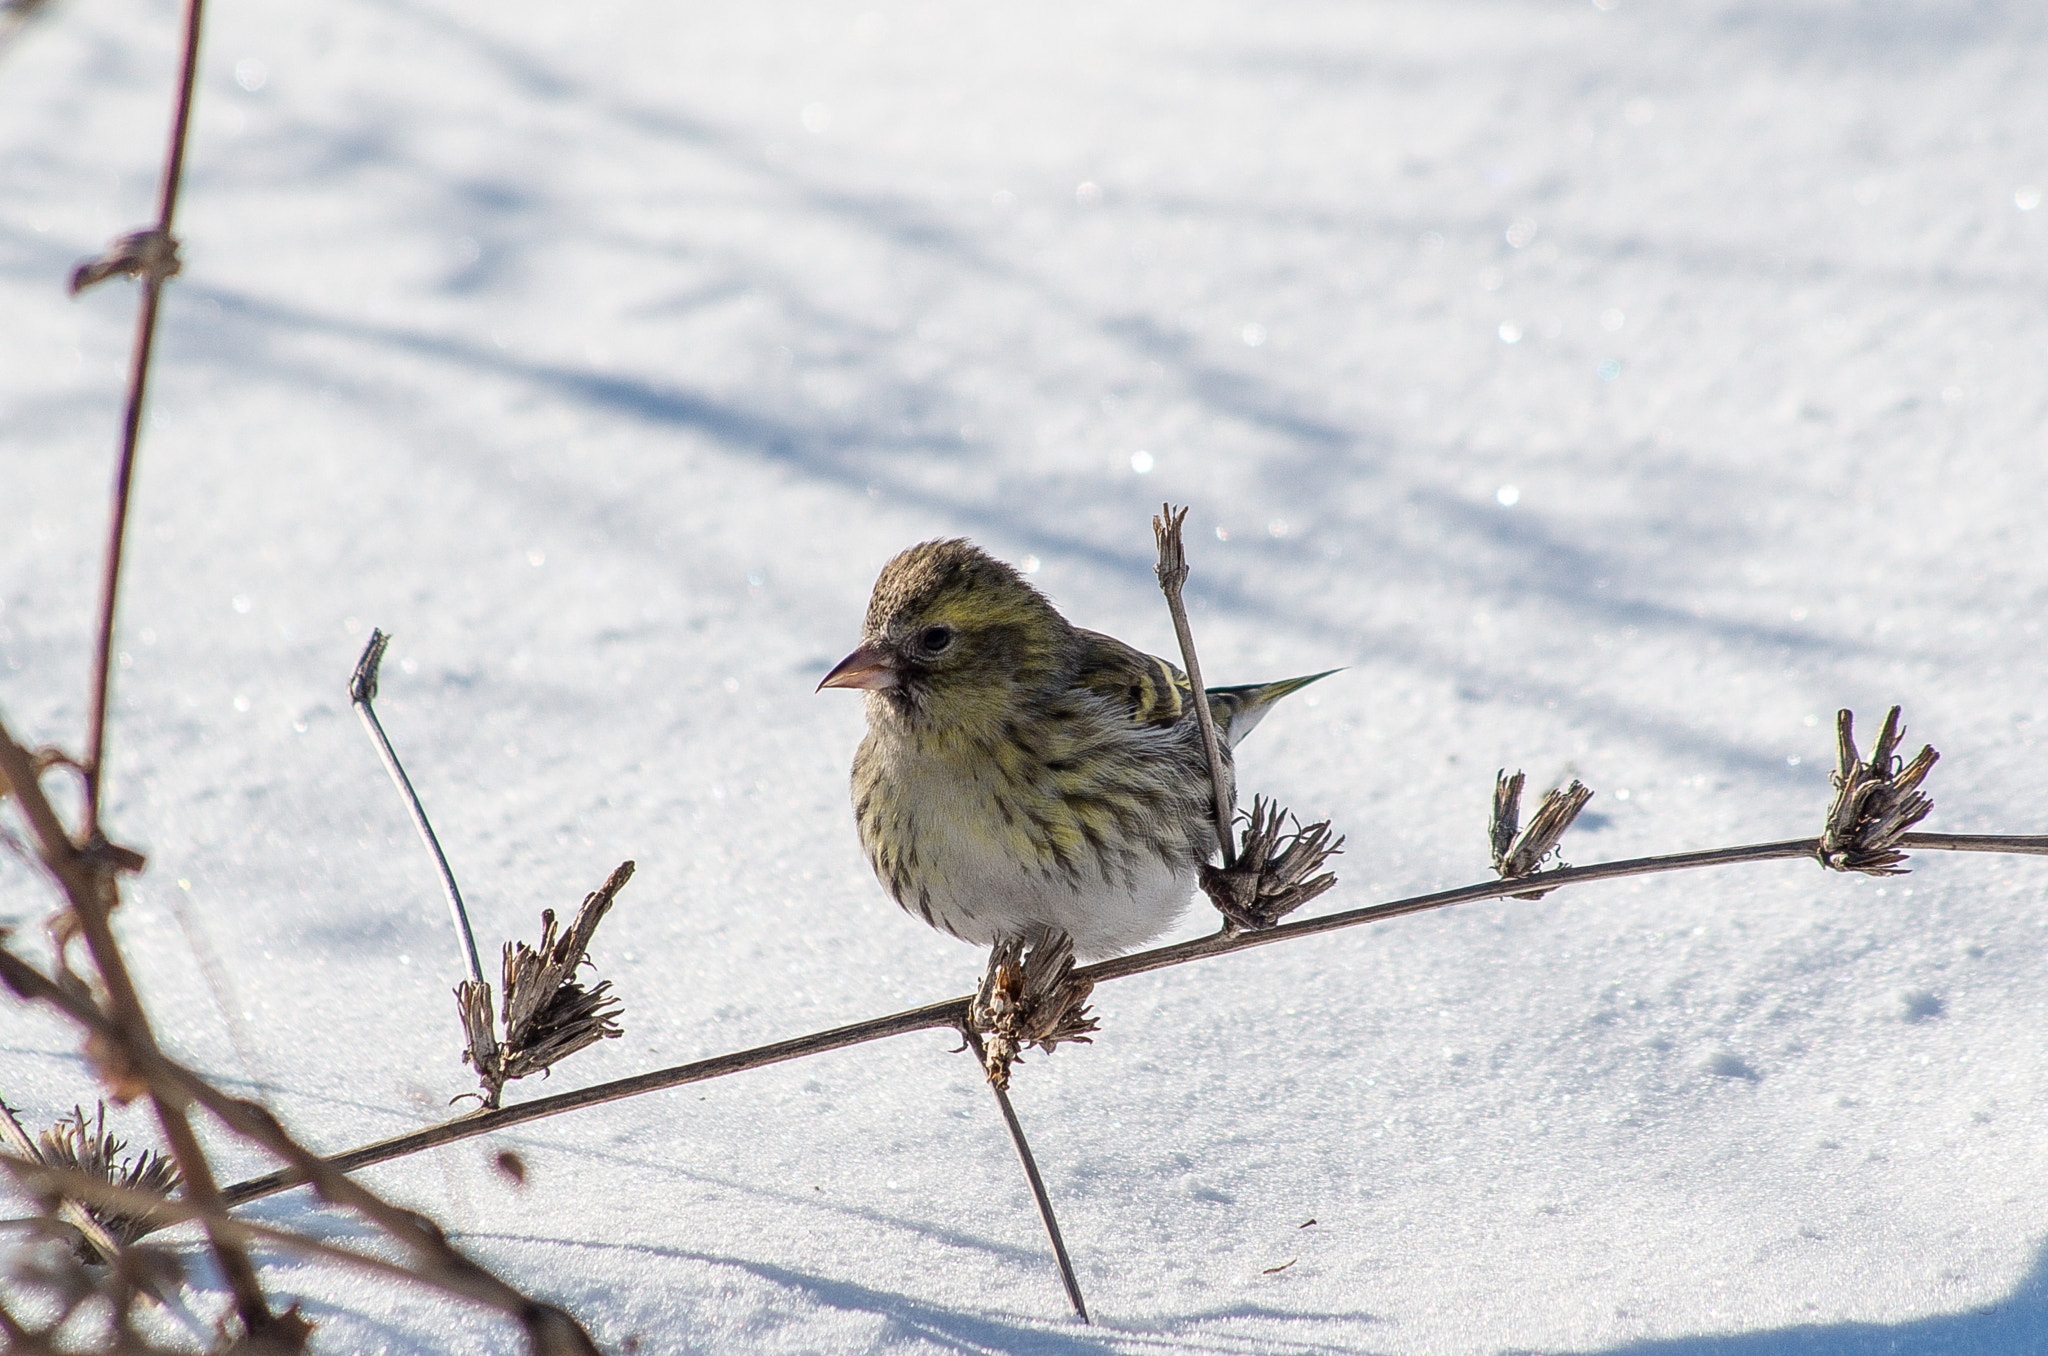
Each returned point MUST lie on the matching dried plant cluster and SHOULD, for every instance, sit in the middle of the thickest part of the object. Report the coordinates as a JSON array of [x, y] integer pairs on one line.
[[1271, 877], [1875, 802], [548, 1015], [88, 1147], [1520, 854], [1029, 998]]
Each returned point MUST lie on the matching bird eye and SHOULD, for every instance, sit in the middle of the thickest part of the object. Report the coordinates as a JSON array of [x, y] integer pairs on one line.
[[936, 638]]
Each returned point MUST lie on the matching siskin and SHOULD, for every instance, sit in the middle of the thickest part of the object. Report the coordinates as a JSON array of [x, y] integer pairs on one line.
[[1021, 776]]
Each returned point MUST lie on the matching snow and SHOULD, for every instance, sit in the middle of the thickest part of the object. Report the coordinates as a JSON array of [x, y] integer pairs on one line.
[[1616, 389]]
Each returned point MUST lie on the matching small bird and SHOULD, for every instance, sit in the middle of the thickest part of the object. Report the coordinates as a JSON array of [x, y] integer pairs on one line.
[[1022, 776]]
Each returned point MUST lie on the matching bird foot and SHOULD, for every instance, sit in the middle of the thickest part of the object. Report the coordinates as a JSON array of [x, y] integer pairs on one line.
[[1029, 999], [1272, 875]]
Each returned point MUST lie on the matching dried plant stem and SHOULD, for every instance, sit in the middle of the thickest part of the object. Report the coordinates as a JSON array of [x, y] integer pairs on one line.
[[435, 1259], [1172, 571], [952, 1012], [72, 1184], [362, 691], [2028, 844], [1038, 1194], [131, 428], [126, 1040], [947, 1015], [129, 1058]]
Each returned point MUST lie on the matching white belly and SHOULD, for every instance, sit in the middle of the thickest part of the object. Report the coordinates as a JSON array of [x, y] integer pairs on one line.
[[989, 897]]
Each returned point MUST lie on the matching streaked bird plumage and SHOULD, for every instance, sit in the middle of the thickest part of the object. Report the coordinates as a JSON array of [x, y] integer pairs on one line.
[[1020, 774]]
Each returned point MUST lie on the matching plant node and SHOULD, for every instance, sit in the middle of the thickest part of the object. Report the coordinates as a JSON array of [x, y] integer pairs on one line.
[[1518, 854], [1271, 876], [1875, 802], [151, 252], [548, 1016], [1030, 999]]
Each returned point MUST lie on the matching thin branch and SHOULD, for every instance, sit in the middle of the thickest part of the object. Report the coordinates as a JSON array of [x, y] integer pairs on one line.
[[1052, 1224], [1172, 571], [125, 1039], [549, 1329], [952, 1012], [2035, 845], [153, 276], [948, 1014], [362, 691], [47, 1180]]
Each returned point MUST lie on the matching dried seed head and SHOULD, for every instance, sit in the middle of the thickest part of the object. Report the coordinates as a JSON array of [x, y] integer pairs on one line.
[[1875, 802], [1030, 999], [1518, 854], [87, 1146], [1272, 875], [548, 1016], [362, 684], [150, 252], [1172, 568], [480, 1035]]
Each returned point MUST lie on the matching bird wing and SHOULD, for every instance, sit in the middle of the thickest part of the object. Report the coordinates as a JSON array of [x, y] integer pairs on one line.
[[1145, 687], [1154, 692]]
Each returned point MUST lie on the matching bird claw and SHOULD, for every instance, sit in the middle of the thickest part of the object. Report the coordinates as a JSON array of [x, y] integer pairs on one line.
[[1271, 878]]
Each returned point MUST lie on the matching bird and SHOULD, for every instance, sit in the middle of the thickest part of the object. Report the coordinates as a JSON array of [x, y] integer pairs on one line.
[[1022, 777]]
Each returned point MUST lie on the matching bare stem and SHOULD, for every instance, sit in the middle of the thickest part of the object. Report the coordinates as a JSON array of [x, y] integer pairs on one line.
[[2030, 844], [952, 1012], [128, 1056], [126, 1040], [131, 427], [435, 1259], [362, 691], [47, 1178], [1172, 571], [1052, 1224]]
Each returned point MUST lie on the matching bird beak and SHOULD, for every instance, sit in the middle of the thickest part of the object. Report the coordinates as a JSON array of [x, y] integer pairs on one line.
[[869, 667]]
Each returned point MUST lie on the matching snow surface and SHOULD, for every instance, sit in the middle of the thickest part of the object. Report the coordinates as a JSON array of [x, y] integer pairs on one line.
[[1616, 389]]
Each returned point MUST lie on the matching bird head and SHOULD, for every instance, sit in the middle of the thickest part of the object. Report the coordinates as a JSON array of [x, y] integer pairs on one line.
[[952, 635]]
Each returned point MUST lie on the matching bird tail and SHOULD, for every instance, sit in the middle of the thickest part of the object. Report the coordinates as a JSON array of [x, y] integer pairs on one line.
[[1236, 710]]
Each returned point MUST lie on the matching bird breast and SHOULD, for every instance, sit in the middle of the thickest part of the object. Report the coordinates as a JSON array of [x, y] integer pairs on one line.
[[1086, 824]]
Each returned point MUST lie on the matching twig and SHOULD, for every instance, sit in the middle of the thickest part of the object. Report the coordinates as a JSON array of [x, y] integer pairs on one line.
[[1172, 571], [952, 1012], [125, 1039], [362, 691], [2033, 845], [158, 265], [435, 1259], [1052, 1224], [45, 1179], [129, 1058]]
